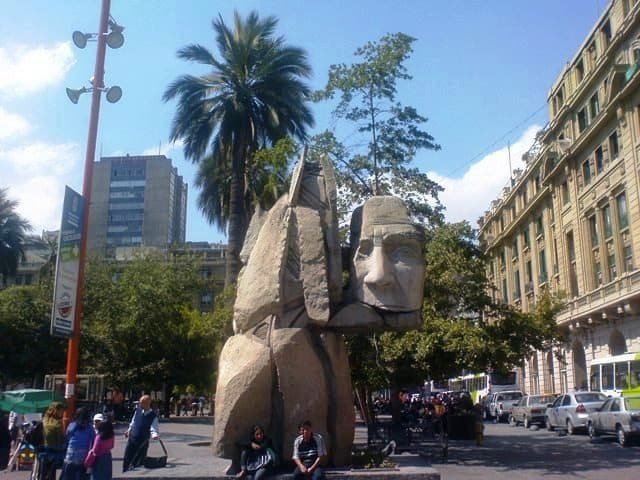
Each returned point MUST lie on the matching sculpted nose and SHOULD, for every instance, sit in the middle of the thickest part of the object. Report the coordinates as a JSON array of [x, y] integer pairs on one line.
[[379, 273]]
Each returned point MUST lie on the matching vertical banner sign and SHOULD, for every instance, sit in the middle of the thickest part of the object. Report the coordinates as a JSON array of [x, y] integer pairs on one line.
[[67, 265]]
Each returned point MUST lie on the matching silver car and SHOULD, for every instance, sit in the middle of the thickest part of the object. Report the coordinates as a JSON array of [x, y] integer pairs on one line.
[[502, 403], [530, 409], [571, 410], [618, 416]]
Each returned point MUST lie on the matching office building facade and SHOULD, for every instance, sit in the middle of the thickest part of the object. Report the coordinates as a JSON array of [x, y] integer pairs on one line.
[[570, 221], [136, 201]]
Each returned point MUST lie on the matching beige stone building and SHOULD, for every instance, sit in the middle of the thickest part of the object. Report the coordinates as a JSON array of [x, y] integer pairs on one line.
[[571, 220]]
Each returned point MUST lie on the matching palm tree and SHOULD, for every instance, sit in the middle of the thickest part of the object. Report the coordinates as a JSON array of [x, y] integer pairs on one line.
[[253, 95], [13, 230]]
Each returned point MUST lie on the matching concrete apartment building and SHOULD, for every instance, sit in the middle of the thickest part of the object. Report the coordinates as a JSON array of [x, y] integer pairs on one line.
[[136, 201], [571, 220]]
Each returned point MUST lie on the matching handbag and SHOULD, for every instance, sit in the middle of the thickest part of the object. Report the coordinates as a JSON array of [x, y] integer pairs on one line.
[[90, 459], [156, 462]]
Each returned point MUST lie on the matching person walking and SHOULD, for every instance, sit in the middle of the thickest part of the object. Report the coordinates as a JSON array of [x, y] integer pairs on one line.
[[80, 435], [99, 459], [144, 425]]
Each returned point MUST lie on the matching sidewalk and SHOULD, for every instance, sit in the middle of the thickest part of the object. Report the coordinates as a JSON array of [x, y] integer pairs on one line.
[[187, 440]]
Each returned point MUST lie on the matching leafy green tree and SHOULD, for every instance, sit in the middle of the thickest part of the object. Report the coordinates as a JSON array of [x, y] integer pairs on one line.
[[140, 326], [13, 230], [27, 351], [391, 133], [253, 96]]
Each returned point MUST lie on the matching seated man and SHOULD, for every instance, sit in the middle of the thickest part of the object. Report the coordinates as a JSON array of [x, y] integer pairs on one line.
[[308, 452]]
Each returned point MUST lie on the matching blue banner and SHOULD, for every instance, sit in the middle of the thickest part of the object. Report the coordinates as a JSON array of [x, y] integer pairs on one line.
[[67, 265]]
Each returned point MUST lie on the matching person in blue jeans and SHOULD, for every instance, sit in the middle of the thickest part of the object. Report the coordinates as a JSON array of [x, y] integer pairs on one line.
[[308, 453], [79, 436], [144, 425]]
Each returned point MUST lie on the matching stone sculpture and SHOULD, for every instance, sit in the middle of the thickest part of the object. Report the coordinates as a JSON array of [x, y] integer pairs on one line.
[[287, 361]]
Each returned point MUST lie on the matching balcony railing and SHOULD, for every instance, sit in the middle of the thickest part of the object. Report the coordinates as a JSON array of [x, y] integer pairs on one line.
[[621, 289]]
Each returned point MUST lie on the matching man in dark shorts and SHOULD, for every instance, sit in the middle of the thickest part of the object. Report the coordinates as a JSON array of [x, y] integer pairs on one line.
[[308, 452]]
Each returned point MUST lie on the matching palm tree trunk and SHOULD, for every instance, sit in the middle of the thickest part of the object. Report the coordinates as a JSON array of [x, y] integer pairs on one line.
[[237, 217]]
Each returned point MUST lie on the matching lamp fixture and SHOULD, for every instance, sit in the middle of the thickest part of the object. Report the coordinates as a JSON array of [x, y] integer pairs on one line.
[[115, 39], [113, 94]]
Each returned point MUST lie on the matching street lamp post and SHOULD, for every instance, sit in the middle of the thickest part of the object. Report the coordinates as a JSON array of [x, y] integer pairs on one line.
[[98, 86]]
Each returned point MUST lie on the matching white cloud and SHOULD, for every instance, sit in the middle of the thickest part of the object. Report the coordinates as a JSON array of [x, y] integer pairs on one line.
[[36, 175], [166, 149], [468, 197], [56, 159], [12, 125], [26, 70]]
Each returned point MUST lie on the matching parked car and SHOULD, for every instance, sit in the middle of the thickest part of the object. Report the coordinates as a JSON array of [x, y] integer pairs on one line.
[[502, 403], [485, 404], [530, 409], [571, 410], [619, 416]]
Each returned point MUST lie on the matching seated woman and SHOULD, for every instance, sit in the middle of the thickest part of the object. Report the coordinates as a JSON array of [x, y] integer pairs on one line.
[[257, 458]]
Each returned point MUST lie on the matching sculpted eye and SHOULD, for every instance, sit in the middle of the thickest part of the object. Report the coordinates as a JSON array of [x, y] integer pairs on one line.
[[365, 248], [405, 253]]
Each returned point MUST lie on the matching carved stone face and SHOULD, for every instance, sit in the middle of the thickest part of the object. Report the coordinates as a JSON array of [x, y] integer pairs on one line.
[[388, 264]]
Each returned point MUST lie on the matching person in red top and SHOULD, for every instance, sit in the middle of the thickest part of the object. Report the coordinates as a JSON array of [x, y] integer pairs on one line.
[[102, 463]]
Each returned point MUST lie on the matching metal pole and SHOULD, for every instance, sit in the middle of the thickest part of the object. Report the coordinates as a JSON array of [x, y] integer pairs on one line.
[[98, 84]]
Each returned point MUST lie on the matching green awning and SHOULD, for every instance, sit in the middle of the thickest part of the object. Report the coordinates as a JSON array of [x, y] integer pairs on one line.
[[27, 400]]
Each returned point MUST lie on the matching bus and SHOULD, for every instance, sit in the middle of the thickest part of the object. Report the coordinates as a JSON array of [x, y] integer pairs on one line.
[[89, 389], [617, 375], [479, 385]]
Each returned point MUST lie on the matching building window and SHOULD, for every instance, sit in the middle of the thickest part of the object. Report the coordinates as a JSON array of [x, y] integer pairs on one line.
[[614, 149], [593, 230], [542, 267], [594, 106], [582, 119], [539, 226], [606, 34], [505, 293], [623, 218], [514, 248], [565, 192], [525, 238], [599, 155], [516, 285], [606, 220], [573, 271], [536, 183], [586, 172], [528, 272], [611, 261], [556, 269], [579, 71], [502, 259], [628, 258], [597, 271]]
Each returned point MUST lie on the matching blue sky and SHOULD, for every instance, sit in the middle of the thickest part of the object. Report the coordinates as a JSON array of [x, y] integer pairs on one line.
[[481, 72]]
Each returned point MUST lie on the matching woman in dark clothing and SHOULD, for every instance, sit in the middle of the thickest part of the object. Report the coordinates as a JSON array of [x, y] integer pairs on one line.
[[5, 441], [257, 458]]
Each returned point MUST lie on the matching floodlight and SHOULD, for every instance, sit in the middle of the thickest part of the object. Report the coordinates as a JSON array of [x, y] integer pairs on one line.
[[114, 94]]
